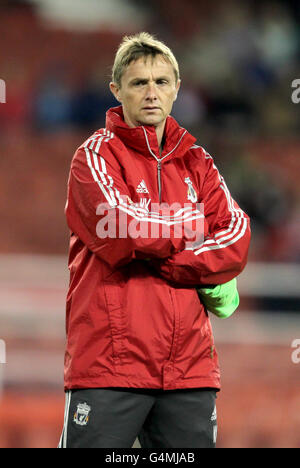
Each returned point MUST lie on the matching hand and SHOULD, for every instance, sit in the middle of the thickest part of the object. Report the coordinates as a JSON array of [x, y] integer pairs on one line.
[[222, 300]]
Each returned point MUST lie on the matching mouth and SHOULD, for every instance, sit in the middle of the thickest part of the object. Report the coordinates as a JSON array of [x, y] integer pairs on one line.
[[149, 108]]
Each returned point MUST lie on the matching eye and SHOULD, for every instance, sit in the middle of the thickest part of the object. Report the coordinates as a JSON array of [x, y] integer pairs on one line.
[[161, 81], [139, 83]]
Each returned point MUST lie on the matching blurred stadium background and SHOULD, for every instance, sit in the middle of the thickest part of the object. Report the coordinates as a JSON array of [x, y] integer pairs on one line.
[[238, 61]]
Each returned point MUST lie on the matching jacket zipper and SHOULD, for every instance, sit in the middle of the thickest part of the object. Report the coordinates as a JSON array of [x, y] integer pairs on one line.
[[176, 330], [159, 160], [159, 178]]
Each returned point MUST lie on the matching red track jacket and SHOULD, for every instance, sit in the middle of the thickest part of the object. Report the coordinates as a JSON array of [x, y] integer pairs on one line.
[[134, 318]]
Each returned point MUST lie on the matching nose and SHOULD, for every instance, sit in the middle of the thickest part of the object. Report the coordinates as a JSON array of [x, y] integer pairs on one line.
[[151, 92]]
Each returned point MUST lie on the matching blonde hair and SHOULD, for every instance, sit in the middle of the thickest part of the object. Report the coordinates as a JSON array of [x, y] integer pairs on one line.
[[140, 45]]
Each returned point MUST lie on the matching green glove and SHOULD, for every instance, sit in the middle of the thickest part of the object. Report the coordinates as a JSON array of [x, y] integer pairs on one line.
[[222, 300]]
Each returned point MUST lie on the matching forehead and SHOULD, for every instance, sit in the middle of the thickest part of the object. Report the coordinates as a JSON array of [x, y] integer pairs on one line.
[[145, 67]]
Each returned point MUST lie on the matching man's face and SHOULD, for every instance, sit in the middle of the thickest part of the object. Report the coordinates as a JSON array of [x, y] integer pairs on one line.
[[148, 90]]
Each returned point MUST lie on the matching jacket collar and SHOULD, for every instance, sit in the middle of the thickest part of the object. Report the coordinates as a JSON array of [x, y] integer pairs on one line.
[[144, 140]]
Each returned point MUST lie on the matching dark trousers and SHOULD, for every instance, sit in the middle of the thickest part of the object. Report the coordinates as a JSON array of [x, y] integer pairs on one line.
[[115, 417]]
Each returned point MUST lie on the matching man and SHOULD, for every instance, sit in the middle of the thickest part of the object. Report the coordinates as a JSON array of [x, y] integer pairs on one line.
[[140, 358]]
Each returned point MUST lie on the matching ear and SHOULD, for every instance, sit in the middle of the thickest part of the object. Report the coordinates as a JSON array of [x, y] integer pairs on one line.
[[177, 89], [115, 90]]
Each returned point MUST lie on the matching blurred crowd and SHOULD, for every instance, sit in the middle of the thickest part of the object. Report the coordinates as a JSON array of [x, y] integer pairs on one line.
[[237, 62]]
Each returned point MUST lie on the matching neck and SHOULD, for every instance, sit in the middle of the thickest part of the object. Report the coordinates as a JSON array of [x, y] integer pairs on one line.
[[159, 134], [159, 129]]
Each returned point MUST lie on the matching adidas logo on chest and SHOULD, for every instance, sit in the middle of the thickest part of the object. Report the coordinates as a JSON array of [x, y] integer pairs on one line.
[[142, 187]]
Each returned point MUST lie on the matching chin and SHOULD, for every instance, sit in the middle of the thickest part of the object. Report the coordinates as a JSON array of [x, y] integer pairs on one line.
[[150, 121]]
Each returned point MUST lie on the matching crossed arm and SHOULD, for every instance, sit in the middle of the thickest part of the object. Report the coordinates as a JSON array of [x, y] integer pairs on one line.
[[96, 179]]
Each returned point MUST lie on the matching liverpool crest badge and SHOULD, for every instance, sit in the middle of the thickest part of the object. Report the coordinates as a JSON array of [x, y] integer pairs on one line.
[[81, 417], [191, 195]]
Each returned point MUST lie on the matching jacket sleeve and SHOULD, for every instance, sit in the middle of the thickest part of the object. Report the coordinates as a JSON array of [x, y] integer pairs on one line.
[[101, 213], [224, 251]]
